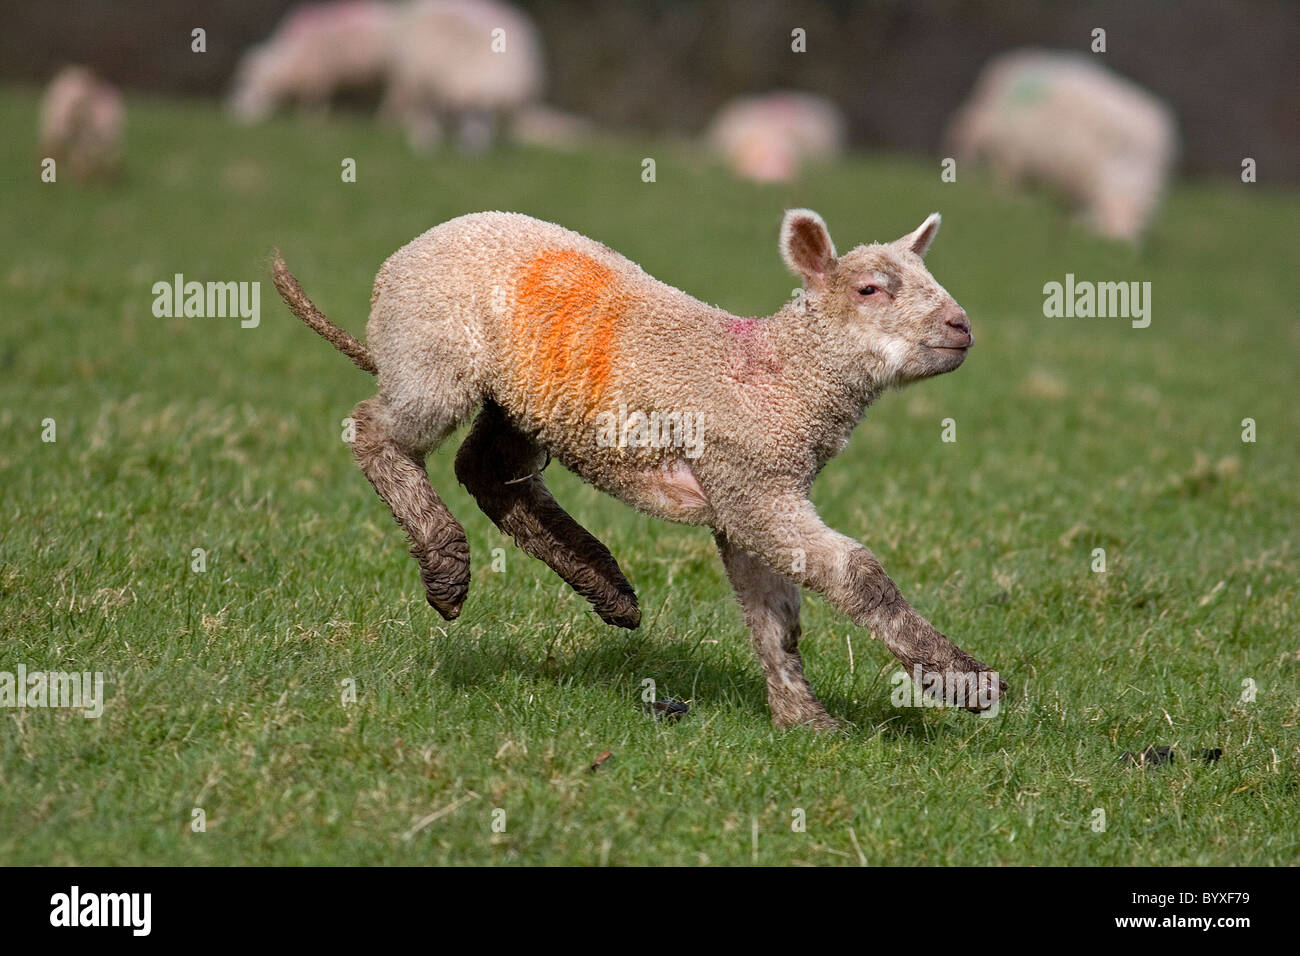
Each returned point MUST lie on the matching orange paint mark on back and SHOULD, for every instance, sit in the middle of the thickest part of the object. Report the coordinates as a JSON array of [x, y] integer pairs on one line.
[[565, 323]]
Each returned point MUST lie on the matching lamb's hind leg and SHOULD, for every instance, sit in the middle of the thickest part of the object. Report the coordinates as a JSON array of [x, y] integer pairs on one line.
[[500, 466], [771, 606], [397, 473]]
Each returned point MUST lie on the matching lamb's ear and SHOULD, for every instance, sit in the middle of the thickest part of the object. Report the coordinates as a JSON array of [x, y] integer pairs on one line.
[[919, 241], [806, 246]]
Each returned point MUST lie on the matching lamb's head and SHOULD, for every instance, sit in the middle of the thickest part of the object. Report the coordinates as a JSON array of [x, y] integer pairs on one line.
[[893, 321]]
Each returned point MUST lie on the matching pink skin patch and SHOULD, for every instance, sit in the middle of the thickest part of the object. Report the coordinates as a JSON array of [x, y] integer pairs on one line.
[[679, 487], [754, 361]]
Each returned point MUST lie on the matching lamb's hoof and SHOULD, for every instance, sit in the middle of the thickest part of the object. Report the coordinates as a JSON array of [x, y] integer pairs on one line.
[[819, 721], [446, 601], [623, 612], [449, 612], [823, 724], [444, 572], [989, 692]]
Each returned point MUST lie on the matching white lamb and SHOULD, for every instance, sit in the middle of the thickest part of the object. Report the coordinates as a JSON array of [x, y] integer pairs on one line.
[[1067, 122], [82, 125], [317, 51], [469, 62], [769, 138]]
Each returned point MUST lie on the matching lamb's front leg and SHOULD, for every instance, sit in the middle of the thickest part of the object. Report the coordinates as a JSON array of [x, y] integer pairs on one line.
[[790, 538], [770, 603]]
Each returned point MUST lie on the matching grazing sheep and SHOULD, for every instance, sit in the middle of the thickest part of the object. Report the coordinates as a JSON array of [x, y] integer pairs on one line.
[[768, 139], [82, 125], [562, 344], [467, 62], [317, 51], [1064, 120]]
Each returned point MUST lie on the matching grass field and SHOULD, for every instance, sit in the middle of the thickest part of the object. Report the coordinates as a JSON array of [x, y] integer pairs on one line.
[[225, 687]]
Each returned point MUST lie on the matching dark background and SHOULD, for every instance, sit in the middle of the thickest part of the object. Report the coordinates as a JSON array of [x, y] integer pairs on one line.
[[898, 69]]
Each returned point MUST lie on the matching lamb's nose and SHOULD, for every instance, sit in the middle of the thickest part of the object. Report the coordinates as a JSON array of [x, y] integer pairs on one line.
[[960, 322]]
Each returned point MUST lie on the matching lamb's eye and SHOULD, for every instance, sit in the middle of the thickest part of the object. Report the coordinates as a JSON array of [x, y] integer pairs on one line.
[[867, 290]]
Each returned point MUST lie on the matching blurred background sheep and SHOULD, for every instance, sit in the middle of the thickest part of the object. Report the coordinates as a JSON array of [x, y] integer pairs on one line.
[[468, 64], [317, 51], [769, 138], [1063, 120], [83, 125], [875, 77], [461, 65]]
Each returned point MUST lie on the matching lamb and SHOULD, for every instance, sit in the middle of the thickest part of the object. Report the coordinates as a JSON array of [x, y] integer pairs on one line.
[[82, 125], [467, 62], [1101, 141], [317, 51], [547, 334], [767, 139]]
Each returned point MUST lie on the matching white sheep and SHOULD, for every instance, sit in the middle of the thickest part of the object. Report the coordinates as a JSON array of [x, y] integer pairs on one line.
[[469, 62], [1066, 121], [82, 125], [317, 51], [769, 138]]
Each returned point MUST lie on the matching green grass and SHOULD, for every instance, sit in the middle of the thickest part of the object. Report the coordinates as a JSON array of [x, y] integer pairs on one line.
[[225, 686]]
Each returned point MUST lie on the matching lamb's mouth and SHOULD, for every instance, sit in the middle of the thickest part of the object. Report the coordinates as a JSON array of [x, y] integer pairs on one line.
[[946, 358]]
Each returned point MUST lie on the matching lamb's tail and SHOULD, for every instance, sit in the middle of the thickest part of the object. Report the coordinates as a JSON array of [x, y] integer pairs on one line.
[[297, 300]]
